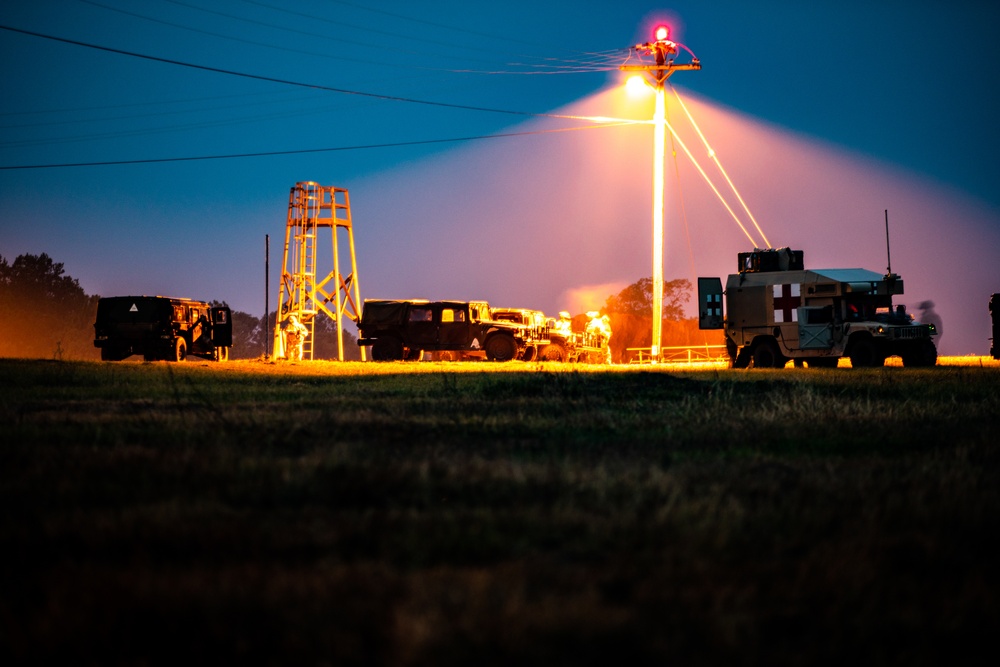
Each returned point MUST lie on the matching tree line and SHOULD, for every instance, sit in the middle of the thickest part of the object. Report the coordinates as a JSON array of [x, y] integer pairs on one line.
[[46, 314]]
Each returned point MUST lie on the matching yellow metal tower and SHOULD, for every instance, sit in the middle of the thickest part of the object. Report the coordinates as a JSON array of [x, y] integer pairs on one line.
[[312, 207]]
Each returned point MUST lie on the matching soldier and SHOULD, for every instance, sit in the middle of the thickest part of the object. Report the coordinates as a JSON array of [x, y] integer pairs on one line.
[[295, 333], [600, 327], [929, 316]]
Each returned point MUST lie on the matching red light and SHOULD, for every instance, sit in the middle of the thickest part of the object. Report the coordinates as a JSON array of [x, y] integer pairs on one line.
[[661, 33]]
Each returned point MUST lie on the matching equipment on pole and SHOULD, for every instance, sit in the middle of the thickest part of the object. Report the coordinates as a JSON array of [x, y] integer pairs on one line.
[[302, 294], [663, 50]]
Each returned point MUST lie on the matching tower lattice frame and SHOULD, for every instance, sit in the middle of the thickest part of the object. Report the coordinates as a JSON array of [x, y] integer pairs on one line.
[[312, 208]]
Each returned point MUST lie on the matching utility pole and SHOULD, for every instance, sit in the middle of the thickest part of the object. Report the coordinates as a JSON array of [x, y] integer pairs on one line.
[[663, 50]]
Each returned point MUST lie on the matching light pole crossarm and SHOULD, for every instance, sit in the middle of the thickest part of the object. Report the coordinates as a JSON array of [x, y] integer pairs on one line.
[[659, 68]]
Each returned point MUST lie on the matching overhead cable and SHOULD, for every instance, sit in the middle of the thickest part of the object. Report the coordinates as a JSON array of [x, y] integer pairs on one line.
[[289, 82], [397, 144]]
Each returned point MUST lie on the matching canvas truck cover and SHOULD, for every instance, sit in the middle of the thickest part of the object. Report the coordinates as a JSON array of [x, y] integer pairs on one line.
[[383, 312], [132, 309]]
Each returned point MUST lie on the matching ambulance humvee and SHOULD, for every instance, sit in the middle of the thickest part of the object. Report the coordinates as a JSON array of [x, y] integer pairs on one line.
[[776, 310]]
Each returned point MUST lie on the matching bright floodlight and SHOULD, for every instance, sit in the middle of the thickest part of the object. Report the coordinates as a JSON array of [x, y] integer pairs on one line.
[[636, 86], [661, 33]]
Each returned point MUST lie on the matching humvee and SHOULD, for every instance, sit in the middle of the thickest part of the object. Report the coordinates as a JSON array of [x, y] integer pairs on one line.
[[555, 339], [777, 310], [537, 326], [159, 327], [404, 329]]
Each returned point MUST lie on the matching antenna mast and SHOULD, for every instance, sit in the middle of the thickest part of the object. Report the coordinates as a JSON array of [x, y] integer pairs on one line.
[[888, 257]]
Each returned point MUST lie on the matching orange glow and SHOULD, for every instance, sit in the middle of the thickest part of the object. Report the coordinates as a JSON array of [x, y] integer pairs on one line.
[[662, 33]]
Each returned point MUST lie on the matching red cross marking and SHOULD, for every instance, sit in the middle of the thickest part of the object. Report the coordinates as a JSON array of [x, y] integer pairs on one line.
[[786, 303]]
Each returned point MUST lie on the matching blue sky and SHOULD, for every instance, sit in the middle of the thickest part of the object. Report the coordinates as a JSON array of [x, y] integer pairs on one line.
[[896, 97]]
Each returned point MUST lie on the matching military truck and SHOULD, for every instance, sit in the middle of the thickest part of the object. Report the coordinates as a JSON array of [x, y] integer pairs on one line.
[[557, 341], [776, 310], [536, 323], [404, 329], [159, 327]]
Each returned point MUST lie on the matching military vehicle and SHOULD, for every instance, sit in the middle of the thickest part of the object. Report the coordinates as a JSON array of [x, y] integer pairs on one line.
[[776, 310], [159, 327], [556, 340], [534, 320], [404, 329]]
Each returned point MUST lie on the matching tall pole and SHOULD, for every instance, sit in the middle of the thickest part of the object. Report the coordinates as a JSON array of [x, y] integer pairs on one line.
[[659, 140], [664, 51], [267, 290]]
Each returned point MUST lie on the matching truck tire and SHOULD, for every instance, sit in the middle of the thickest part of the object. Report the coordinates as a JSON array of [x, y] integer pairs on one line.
[[180, 349], [920, 354], [553, 352], [221, 354], [767, 355], [865, 354], [500, 347], [387, 349]]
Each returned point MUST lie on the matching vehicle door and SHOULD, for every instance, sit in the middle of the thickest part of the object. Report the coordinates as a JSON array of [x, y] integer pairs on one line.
[[454, 331], [222, 327], [815, 327], [421, 328], [710, 303]]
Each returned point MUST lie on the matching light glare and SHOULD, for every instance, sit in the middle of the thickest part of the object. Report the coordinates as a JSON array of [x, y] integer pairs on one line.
[[636, 86], [662, 33]]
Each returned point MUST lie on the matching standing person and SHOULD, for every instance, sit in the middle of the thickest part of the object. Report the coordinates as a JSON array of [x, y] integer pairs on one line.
[[295, 334], [928, 316]]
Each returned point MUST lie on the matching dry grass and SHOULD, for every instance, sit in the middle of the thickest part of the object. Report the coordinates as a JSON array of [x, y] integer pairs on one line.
[[411, 514]]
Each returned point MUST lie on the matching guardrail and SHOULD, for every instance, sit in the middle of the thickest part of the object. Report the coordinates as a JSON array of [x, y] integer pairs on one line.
[[679, 354]]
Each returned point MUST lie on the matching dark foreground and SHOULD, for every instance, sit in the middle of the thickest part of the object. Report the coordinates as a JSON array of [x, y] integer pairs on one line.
[[350, 514]]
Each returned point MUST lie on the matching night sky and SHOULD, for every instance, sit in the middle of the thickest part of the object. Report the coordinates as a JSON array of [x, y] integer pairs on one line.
[[824, 115]]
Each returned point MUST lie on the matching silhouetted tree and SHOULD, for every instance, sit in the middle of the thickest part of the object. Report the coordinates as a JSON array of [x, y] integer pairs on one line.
[[631, 314], [637, 299], [45, 314]]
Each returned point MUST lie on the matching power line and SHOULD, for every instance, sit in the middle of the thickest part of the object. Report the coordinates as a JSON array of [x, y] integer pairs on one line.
[[572, 67], [287, 82], [398, 144]]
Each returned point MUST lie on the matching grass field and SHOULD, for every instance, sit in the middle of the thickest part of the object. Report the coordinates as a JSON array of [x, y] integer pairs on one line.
[[478, 514]]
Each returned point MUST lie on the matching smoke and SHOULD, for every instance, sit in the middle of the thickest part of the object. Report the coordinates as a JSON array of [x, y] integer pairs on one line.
[[549, 221]]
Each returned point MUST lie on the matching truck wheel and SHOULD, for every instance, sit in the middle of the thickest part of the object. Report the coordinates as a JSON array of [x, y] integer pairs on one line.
[[529, 353], [864, 354], [767, 355], [180, 350], [414, 354], [387, 349], [500, 347], [553, 352], [920, 355], [221, 354]]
